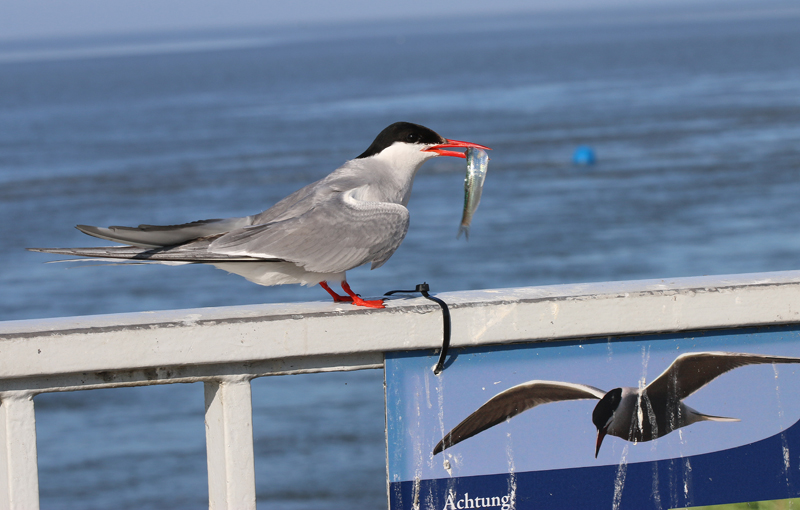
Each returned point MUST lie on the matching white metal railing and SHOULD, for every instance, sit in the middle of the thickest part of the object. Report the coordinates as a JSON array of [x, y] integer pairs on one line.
[[227, 347]]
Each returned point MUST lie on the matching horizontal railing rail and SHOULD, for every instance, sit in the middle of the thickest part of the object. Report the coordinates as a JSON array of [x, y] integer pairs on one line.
[[225, 348]]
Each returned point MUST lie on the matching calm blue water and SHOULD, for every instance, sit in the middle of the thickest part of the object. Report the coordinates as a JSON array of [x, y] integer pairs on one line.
[[695, 121]]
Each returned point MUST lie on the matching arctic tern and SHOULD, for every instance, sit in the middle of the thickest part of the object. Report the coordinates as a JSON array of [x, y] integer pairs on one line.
[[629, 413], [355, 215]]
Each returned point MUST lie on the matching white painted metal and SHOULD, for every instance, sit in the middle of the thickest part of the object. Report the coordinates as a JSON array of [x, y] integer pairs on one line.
[[229, 445], [226, 347], [19, 476], [319, 333]]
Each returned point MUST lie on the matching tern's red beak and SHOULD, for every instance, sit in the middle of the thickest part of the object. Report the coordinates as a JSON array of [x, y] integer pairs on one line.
[[439, 149], [600, 435]]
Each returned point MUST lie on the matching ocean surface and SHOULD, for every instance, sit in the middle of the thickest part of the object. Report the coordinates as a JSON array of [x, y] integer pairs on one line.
[[694, 117]]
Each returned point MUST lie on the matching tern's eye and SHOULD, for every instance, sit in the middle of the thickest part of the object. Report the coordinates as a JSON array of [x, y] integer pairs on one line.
[[412, 137]]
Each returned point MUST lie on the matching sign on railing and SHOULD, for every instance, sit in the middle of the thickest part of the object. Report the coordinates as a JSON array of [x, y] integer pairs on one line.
[[667, 421]]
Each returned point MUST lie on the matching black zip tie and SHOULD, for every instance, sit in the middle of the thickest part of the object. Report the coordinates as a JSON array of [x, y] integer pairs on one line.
[[423, 289]]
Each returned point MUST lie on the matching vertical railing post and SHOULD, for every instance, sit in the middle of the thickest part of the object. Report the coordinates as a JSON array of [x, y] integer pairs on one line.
[[229, 445], [19, 472]]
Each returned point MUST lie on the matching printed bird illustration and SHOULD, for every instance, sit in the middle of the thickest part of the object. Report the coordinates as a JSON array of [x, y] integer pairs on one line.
[[629, 413]]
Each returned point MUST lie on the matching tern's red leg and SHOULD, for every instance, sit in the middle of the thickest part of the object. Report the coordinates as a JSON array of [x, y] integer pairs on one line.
[[336, 297], [377, 303]]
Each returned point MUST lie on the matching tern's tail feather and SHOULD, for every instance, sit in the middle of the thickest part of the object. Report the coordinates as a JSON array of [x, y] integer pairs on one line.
[[185, 253], [708, 417], [261, 271], [116, 252]]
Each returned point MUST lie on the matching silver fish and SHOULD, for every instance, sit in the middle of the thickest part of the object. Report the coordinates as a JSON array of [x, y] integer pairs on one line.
[[477, 165]]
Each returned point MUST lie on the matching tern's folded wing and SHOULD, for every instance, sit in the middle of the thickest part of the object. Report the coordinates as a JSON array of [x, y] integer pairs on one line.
[[156, 236], [338, 234], [513, 401]]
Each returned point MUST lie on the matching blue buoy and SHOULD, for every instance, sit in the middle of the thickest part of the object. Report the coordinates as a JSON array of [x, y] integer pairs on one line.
[[584, 155]]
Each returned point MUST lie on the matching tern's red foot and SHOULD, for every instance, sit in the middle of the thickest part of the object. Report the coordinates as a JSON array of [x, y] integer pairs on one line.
[[375, 303], [336, 297]]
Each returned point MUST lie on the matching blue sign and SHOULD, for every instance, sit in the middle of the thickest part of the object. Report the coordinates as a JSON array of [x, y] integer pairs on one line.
[[662, 422]]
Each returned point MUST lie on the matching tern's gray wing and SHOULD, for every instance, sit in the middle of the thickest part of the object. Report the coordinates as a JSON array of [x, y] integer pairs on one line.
[[154, 236], [337, 234], [513, 401], [691, 371]]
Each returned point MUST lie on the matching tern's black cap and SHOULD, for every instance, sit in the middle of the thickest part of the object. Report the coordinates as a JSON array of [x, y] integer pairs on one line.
[[402, 132], [606, 407]]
